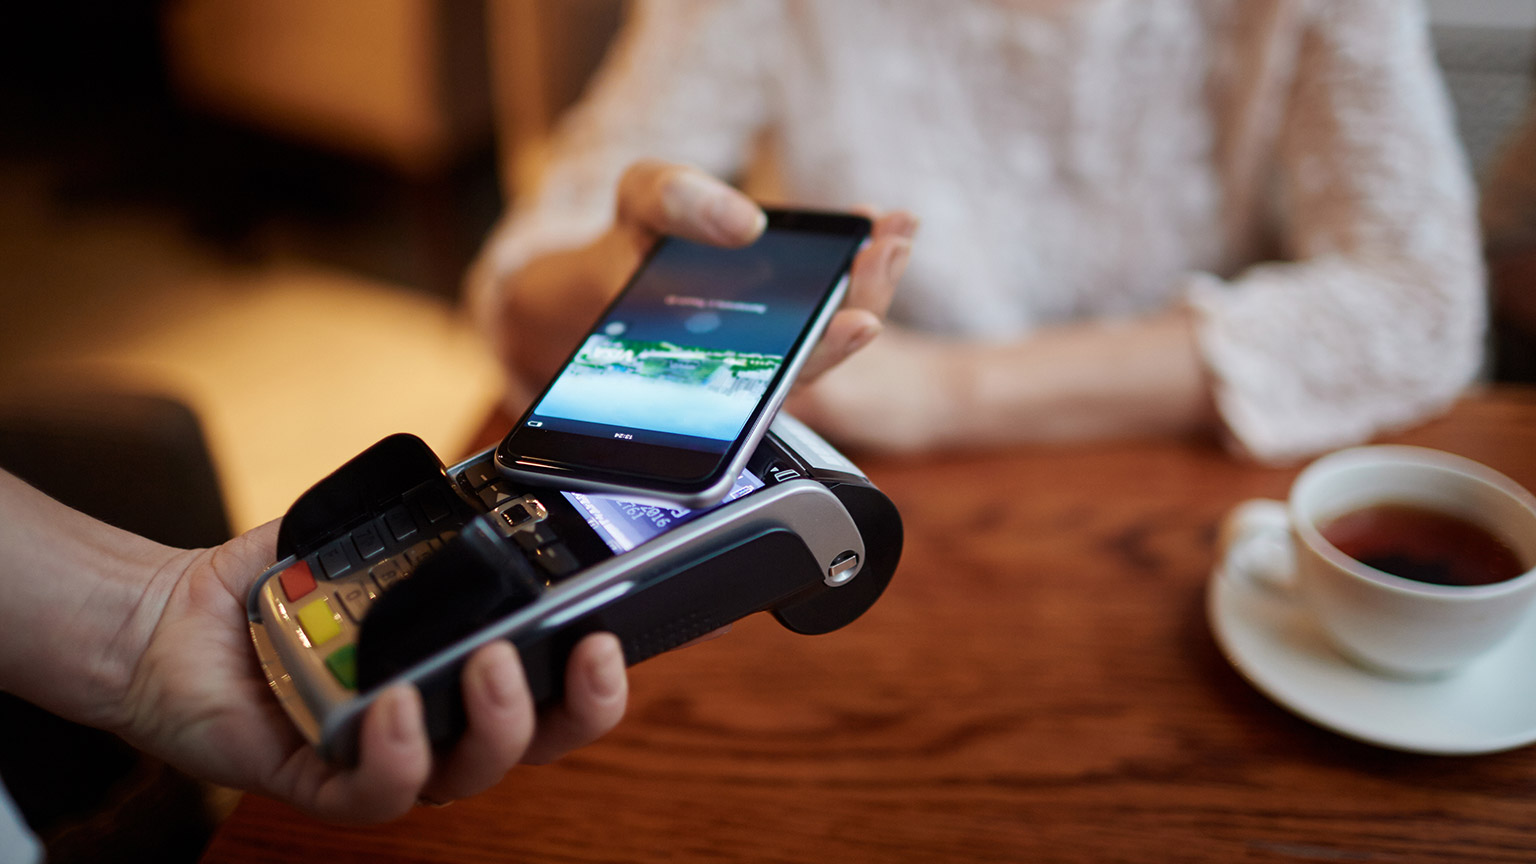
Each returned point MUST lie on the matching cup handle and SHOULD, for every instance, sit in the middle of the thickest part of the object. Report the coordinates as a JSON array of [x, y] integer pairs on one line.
[[1256, 546]]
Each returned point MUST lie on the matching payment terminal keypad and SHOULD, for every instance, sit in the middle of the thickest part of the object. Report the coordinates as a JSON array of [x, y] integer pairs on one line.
[[521, 518], [327, 593]]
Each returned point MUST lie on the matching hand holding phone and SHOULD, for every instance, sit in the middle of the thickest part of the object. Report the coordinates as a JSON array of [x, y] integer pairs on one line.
[[535, 312], [672, 388], [657, 199]]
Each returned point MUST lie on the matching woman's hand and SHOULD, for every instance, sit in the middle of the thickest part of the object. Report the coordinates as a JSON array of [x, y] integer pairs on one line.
[[901, 395], [1079, 382], [547, 305]]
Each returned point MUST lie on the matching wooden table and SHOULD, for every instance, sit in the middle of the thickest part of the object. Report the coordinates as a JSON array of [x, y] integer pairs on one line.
[[1039, 684]]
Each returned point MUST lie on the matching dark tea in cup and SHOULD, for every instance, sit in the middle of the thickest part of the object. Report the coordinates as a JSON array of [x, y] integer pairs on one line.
[[1413, 561], [1423, 544]]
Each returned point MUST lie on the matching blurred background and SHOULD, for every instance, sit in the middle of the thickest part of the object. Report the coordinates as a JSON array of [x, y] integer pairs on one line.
[[263, 209], [232, 234]]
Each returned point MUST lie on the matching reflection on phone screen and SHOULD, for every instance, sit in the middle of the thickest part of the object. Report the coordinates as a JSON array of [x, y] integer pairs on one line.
[[623, 525]]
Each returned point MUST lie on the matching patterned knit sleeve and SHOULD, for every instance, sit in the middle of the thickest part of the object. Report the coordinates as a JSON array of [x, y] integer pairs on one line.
[[1376, 319]]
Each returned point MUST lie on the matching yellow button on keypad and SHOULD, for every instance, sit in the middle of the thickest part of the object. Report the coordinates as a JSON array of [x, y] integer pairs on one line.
[[319, 622]]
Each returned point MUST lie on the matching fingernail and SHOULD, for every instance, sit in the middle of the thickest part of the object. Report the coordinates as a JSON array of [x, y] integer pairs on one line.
[[866, 335], [404, 714], [693, 198], [493, 677], [896, 261], [605, 674], [736, 218]]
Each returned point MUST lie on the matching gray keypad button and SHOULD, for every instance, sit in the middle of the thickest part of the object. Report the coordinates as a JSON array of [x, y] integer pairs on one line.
[[368, 541], [355, 600], [387, 574], [334, 560], [400, 523]]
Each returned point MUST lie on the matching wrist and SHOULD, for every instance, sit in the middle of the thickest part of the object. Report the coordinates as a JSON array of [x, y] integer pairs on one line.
[[79, 600], [955, 398]]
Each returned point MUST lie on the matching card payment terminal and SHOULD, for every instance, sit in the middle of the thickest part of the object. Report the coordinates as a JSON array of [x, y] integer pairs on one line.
[[396, 568]]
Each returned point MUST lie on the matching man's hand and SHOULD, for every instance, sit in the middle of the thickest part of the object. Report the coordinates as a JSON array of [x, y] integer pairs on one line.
[[109, 629], [198, 700]]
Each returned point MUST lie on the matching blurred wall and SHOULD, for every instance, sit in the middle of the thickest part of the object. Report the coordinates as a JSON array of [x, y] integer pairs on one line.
[[404, 82], [542, 53], [1487, 50]]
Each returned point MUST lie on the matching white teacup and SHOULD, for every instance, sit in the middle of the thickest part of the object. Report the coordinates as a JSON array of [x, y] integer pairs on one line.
[[1382, 621]]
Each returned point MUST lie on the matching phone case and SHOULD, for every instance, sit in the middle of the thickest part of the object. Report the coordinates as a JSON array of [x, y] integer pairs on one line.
[[393, 568]]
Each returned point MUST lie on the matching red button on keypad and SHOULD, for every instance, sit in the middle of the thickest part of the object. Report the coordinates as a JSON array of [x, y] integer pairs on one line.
[[297, 581]]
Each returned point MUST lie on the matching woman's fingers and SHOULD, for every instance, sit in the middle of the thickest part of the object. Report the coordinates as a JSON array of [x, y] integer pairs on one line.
[[871, 285], [847, 332], [658, 198], [881, 263]]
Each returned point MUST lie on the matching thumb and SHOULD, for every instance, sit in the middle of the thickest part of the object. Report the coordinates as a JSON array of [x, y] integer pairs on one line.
[[663, 198], [239, 561]]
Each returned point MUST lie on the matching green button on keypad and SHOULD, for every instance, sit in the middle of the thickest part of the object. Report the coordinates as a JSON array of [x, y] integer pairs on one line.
[[343, 664]]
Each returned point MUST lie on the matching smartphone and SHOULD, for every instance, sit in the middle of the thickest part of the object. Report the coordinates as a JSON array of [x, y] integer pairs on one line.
[[670, 392]]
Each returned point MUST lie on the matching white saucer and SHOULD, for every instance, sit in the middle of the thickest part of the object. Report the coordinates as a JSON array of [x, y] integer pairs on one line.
[[1274, 643]]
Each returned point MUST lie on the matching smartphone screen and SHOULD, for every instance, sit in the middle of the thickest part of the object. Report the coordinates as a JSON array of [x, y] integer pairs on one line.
[[678, 373]]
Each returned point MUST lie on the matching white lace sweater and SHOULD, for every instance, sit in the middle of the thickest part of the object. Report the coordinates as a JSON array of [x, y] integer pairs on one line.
[[1285, 167]]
